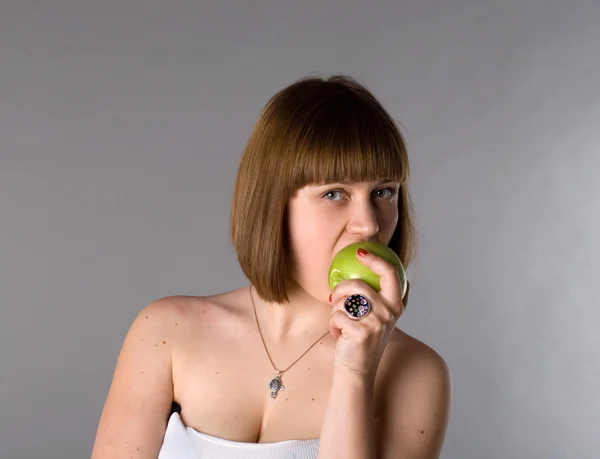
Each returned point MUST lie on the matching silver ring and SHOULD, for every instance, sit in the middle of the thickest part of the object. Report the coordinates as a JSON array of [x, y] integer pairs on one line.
[[357, 306]]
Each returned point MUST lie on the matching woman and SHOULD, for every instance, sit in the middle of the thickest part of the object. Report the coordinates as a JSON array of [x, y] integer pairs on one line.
[[277, 368]]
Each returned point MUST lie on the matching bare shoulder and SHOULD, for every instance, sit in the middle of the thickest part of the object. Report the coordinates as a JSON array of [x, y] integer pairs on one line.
[[415, 389], [135, 413], [165, 321], [404, 350], [185, 312], [407, 363], [176, 306], [184, 317]]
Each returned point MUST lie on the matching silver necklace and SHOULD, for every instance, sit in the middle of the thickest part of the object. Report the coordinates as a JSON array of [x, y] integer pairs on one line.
[[276, 385]]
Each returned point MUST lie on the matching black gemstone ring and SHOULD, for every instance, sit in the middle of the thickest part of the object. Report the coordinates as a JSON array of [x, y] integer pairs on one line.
[[357, 306]]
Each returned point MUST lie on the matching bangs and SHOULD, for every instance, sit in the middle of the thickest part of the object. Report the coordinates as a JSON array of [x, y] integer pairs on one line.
[[340, 140]]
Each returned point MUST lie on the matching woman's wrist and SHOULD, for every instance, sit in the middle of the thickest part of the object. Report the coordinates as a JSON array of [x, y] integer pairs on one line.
[[348, 386], [346, 377]]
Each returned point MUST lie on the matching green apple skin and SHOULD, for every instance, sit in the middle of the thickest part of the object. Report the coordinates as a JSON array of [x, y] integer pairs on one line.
[[345, 265]]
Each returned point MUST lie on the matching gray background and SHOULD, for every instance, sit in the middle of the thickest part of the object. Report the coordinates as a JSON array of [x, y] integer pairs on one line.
[[121, 127]]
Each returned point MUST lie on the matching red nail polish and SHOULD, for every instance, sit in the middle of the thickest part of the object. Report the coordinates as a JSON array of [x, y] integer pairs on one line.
[[330, 297], [361, 252]]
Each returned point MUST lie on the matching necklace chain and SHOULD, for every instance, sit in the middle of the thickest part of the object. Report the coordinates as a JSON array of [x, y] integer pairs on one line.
[[265, 346]]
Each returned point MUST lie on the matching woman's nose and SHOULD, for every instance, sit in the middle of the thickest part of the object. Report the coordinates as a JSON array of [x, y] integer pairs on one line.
[[363, 220]]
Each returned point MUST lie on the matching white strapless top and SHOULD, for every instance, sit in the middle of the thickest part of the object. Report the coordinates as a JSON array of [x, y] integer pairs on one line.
[[181, 442]]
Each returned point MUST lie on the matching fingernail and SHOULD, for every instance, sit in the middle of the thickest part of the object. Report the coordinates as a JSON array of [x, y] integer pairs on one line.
[[362, 252], [330, 297]]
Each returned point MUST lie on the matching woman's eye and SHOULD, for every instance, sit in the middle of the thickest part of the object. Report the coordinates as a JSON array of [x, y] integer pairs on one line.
[[329, 193], [391, 192]]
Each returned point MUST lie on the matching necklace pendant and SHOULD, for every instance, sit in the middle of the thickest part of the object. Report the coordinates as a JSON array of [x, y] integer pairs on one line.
[[275, 385]]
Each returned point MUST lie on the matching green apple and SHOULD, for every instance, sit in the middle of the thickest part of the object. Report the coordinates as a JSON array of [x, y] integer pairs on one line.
[[345, 265]]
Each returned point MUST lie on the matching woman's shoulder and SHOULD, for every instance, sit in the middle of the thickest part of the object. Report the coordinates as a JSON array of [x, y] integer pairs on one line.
[[407, 360], [172, 310], [415, 394], [187, 312], [188, 306], [404, 346]]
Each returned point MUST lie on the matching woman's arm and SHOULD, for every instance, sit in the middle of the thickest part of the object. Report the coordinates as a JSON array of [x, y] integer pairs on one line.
[[414, 417], [348, 424], [135, 415], [415, 397]]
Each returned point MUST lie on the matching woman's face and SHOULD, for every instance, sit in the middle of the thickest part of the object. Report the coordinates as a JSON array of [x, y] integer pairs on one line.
[[325, 218]]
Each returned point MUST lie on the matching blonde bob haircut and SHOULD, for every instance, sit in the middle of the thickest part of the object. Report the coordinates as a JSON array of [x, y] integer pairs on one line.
[[315, 131]]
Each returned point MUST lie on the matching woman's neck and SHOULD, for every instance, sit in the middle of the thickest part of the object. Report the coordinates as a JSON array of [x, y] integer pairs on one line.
[[303, 318]]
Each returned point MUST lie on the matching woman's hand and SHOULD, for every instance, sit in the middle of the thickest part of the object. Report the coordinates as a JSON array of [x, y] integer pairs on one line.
[[360, 342]]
